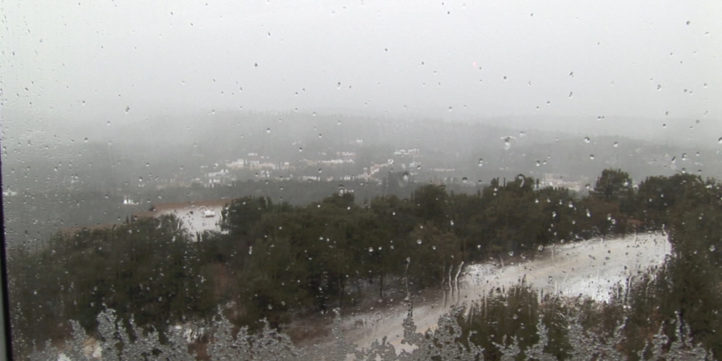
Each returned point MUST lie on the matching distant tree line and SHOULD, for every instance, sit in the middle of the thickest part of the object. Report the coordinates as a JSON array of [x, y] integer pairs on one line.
[[279, 261]]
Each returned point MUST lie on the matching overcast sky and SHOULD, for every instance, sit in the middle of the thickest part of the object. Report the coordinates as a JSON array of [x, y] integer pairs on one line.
[[78, 60]]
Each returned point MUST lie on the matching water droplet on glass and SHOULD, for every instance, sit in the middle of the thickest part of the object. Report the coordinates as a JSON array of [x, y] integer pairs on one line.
[[659, 87], [712, 248], [481, 160], [591, 156], [587, 140], [419, 241], [268, 130]]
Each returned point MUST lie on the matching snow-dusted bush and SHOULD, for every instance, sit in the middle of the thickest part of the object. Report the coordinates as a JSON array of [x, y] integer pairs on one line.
[[224, 342]]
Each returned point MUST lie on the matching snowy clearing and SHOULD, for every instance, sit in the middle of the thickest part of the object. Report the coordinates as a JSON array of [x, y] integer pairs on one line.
[[197, 217], [588, 268]]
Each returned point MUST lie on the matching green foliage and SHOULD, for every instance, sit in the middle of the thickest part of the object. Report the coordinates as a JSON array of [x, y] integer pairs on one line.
[[500, 318], [146, 269], [277, 261], [613, 185], [689, 286]]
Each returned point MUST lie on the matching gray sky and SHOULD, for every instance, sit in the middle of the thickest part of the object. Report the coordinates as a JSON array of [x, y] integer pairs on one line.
[[87, 60]]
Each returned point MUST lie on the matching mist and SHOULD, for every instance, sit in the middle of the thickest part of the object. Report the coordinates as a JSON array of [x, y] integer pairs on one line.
[[642, 69]]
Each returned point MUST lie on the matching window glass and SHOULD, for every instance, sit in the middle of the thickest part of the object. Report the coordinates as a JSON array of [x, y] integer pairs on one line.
[[215, 180]]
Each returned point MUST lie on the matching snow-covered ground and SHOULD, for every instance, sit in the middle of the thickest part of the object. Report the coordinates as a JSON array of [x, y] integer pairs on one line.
[[196, 218], [589, 268]]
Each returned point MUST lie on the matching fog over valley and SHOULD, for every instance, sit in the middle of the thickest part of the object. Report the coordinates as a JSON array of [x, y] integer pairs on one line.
[[362, 179]]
